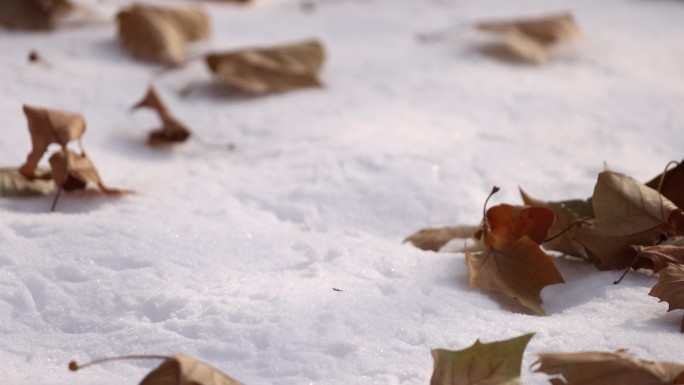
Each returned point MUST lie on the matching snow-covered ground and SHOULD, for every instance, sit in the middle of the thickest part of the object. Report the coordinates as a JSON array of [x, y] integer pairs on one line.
[[234, 257]]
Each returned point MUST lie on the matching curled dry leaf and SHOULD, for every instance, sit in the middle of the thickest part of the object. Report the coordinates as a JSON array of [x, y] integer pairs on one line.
[[73, 172], [172, 130], [14, 184], [672, 184], [670, 288], [277, 69], [434, 238], [513, 264], [495, 363], [659, 256], [531, 38], [568, 213], [606, 368], [627, 213], [32, 14], [48, 126], [161, 33], [183, 370]]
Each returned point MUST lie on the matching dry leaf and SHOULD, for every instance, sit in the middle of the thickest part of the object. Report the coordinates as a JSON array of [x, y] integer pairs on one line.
[[434, 238], [658, 257], [32, 14], [627, 213], [567, 214], [520, 270], [495, 363], [172, 130], [670, 288], [14, 184], [161, 33], [183, 370], [73, 172], [606, 368], [48, 126], [531, 38], [673, 184], [513, 264], [277, 69]]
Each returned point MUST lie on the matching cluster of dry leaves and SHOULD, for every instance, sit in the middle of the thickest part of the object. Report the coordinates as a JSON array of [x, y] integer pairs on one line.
[[625, 224]]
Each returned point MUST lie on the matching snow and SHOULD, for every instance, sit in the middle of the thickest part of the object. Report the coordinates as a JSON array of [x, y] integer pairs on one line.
[[234, 257]]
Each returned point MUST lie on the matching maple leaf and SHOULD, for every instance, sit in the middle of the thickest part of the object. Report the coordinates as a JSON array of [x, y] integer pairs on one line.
[[178, 369], [607, 368], [495, 363], [568, 213], [670, 288], [672, 184], [172, 130], [32, 14], [264, 70], [513, 264], [14, 184], [627, 213], [434, 238], [161, 33], [531, 38], [659, 256]]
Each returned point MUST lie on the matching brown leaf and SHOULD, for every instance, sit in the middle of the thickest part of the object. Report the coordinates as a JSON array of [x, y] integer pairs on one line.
[[74, 172], [434, 238], [567, 214], [673, 184], [606, 368], [172, 130], [494, 363], [670, 288], [531, 38], [627, 213], [658, 257], [183, 370], [32, 14], [277, 69], [506, 224], [161, 33], [520, 270], [13, 184], [48, 126]]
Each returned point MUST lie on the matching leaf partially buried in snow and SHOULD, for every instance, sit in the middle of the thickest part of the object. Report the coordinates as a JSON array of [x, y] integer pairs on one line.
[[513, 264], [172, 130], [568, 213], [672, 184], [13, 184], [434, 238], [183, 370], [73, 172], [263, 70], [531, 38], [32, 14], [161, 33], [670, 288], [48, 126], [627, 213], [606, 368], [495, 363]]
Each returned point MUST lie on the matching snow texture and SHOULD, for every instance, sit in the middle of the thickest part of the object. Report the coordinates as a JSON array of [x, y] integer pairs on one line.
[[235, 257]]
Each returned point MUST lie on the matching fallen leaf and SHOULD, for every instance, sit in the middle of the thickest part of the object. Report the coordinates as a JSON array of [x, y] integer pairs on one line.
[[670, 288], [531, 38], [48, 126], [161, 33], [495, 363], [506, 224], [659, 256], [73, 172], [627, 213], [607, 368], [277, 69], [568, 213], [14, 184], [434, 238], [672, 186], [172, 130], [32, 14], [520, 270]]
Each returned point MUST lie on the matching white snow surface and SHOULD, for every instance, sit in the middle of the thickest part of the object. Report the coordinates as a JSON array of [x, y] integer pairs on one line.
[[233, 257]]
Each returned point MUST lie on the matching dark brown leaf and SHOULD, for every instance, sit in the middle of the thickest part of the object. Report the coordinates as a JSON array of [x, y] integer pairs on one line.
[[672, 184], [670, 288], [32, 14]]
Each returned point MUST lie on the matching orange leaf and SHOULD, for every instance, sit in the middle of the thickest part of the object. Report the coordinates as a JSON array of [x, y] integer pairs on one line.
[[507, 224]]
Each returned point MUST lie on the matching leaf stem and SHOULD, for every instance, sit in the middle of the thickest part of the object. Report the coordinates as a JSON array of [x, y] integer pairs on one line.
[[662, 176], [573, 224], [485, 224], [74, 366], [631, 265]]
